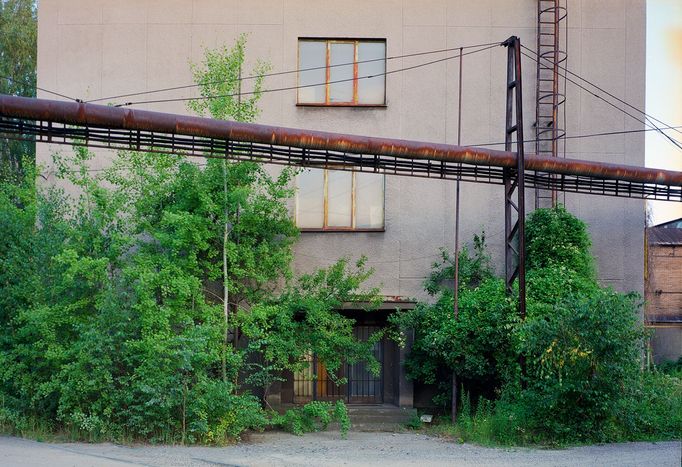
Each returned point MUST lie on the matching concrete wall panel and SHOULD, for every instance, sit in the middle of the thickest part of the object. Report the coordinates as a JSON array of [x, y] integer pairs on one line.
[[104, 47]]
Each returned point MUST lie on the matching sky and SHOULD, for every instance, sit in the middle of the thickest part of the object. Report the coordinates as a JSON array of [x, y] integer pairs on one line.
[[664, 92]]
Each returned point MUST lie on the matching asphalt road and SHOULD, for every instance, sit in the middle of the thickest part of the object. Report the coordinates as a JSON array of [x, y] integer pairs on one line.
[[327, 449]]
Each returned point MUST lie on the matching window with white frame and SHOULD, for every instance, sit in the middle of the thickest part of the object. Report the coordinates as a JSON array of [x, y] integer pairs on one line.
[[342, 72], [339, 200]]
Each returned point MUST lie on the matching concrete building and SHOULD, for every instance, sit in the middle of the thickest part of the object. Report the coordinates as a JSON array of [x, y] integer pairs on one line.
[[98, 48]]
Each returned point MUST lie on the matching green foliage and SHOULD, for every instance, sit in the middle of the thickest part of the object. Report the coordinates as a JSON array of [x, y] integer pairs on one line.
[[483, 353], [481, 331], [581, 343], [672, 368], [304, 320], [112, 330], [480, 423], [113, 325], [555, 237], [415, 422], [475, 424], [183, 203], [313, 416], [18, 51], [473, 268], [579, 362], [112, 335], [220, 74], [652, 411]]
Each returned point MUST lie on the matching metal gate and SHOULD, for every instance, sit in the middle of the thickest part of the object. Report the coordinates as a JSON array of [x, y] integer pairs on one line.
[[362, 387]]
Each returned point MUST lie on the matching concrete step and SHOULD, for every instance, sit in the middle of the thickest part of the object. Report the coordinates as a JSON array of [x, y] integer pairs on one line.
[[382, 417], [379, 417]]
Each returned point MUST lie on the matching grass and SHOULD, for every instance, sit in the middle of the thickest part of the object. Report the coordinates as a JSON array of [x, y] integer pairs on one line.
[[654, 415]]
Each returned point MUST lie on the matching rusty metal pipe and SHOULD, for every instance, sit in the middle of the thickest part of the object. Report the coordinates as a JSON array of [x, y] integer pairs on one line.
[[82, 114]]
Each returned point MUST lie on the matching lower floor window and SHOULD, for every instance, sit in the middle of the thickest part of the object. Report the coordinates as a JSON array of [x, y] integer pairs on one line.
[[339, 200]]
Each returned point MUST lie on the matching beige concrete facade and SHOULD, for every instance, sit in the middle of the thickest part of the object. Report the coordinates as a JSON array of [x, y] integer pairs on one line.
[[97, 48]]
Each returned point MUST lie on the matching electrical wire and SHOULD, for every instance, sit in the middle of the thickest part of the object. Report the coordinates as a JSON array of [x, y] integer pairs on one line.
[[644, 122], [590, 135], [289, 88], [567, 71], [278, 73], [648, 119], [42, 89]]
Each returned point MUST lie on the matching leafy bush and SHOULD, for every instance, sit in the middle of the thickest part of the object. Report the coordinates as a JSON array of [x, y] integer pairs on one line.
[[304, 320], [555, 237], [484, 346], [581, 345], [652, 410], [474, 267], [672, 368], [415, 422], [580, 360], [113, 324], [483, 353]]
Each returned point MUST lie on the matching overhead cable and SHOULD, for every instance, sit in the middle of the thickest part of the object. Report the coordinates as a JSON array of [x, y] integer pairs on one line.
[[278, 73], [42, 89], [289, 88], [590, 135], [593, 93]]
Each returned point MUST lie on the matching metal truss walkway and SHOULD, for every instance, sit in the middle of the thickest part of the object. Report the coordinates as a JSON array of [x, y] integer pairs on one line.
[[92, 125]]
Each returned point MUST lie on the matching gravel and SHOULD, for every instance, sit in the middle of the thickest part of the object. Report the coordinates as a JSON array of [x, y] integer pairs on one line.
[[328, 448]]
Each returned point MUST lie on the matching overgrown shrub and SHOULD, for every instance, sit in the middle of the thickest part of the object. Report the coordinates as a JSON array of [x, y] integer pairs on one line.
[[478, 345], [112, 324], [305, 320], [672, 368], [555, 237], [581, 358], [652, 410], [581, 346]]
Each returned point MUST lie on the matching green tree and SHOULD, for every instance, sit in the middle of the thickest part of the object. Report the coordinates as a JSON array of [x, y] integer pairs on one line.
[[582, 346], [220, 85], [114, 332], [477, 346], [112, 324], [555, 237], [18, 51]]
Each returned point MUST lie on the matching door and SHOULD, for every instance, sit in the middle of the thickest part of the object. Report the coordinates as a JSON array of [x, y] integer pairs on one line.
[[315, 383], [363, 386]]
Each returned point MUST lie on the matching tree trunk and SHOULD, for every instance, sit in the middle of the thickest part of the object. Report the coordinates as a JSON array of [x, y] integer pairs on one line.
[[226, 292], [454, 397]]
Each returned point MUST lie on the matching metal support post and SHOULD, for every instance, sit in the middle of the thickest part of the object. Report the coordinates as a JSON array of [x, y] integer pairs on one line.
[[515, 212]]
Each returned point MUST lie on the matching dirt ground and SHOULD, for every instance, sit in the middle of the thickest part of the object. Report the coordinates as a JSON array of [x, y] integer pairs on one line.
[[327, 449]]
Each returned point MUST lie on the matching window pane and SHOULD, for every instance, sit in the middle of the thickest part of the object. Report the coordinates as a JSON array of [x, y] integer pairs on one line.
[[310, 199], [341, 53], [369, 200], [339, 187], [371, 90], [312, 54]]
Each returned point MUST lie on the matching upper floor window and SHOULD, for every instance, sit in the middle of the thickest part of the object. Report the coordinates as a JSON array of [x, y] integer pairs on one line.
[[342, 72], [339, 200]]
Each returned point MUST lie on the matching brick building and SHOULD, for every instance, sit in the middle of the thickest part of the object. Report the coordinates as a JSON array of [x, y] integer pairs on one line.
[[663, 289]]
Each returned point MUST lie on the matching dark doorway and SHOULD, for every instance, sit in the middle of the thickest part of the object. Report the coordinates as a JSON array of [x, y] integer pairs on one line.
[[361, 387]]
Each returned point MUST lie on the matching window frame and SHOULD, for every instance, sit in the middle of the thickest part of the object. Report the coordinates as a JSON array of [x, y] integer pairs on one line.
[[339, 40], [325, 207]]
